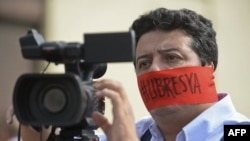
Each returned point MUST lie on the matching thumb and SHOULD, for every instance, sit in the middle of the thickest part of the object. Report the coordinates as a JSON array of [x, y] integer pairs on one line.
[[101, 121]]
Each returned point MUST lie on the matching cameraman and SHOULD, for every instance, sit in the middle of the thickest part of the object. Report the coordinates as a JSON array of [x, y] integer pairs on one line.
[[172, 46], [176, 56]]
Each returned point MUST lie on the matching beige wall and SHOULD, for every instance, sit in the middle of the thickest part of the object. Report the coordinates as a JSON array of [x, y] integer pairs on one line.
[[233, 26], [16, 17]]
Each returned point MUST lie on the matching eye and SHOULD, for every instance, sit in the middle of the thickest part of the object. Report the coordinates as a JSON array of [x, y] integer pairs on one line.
[[172, 58], [143, 64]]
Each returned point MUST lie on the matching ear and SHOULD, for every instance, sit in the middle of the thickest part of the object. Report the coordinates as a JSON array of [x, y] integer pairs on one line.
[[211, 64]]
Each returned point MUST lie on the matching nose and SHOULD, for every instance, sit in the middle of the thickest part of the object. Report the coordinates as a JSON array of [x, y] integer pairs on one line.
[[156, 66]]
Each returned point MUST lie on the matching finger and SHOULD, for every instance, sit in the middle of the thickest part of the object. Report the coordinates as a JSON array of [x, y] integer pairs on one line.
[[121, 108], [112, 95], [114, 91], [101, 121], [9, 115], [112, 85]]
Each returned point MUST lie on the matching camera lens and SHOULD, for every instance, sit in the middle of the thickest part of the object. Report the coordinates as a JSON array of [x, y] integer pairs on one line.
[[59, 100], [54, 100]]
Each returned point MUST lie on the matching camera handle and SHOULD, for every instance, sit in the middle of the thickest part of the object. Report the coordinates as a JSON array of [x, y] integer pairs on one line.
[[86, 71]]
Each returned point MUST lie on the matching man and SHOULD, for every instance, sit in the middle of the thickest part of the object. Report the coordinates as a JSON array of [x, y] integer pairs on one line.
[[176, 56]]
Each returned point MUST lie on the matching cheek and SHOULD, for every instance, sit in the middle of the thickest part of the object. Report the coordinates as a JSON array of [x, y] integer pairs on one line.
[[193, 59], [137, 72]]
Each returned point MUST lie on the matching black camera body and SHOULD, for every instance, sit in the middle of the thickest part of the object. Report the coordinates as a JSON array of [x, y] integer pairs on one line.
[[67, 100]]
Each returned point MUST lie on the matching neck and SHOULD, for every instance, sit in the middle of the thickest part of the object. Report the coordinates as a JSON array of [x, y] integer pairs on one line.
[[172, 119]]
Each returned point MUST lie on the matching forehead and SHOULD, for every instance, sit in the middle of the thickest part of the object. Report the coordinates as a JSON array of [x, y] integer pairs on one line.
[[157, 40]]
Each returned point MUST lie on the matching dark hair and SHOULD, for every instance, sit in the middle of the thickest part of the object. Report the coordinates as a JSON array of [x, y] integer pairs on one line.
[[198, 27]]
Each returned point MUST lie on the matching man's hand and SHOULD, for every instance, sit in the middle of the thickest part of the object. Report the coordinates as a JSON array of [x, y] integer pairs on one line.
[[123, 126]]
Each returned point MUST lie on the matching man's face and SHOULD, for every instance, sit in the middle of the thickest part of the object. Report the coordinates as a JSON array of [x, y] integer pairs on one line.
[[158, 50]]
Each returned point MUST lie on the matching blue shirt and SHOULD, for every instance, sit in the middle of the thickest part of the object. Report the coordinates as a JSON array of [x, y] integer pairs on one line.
[[208, 126]]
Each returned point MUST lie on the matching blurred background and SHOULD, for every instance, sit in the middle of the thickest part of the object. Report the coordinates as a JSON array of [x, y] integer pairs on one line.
[[64, 20]]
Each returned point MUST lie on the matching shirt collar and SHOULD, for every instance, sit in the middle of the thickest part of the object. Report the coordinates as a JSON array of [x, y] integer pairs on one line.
[[208, 121]]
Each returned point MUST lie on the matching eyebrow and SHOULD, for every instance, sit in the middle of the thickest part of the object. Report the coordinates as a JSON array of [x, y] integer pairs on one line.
[[167, 50], [159, 51]]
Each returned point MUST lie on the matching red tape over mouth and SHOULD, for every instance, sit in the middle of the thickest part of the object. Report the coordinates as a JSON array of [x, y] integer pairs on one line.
[[186, 85]]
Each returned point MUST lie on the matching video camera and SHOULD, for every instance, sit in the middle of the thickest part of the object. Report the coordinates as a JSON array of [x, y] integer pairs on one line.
[[67, 100]]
